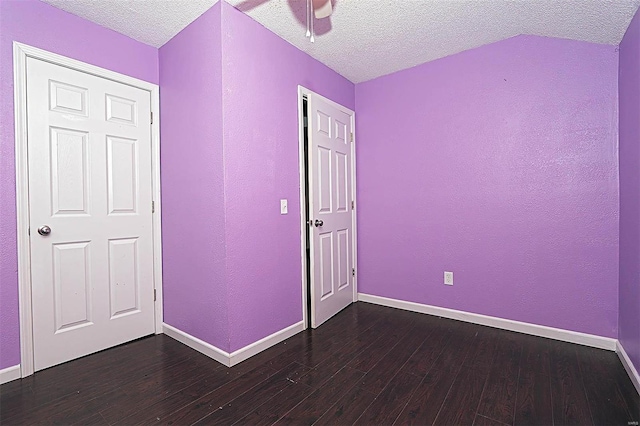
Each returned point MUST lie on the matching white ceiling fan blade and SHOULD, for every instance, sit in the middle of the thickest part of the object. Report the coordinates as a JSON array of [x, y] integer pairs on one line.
[[322, 8]]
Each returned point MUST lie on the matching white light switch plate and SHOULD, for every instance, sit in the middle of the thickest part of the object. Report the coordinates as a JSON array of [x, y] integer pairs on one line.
[[283, 207], [448, 278]]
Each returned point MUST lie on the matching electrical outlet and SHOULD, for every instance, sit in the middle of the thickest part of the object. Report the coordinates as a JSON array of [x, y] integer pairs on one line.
[[448, 278], [283, 206]]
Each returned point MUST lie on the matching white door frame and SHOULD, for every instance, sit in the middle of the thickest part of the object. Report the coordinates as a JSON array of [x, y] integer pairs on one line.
[[20, 54], [303, 91]]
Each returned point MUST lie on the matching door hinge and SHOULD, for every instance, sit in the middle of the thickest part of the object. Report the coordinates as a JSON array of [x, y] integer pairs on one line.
[[351, 136], [154, 295], [353, 272], [28, 231], [151, 117], [353, 205], [153, 206]]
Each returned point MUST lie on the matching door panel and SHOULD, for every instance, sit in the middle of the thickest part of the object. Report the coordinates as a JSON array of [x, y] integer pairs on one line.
[[120, 110], [330, 196], [67, 98], [124, 287], [324, 180], [69, 171], [122, 175], [90, 181], [343, 258], [342, 183], [71, 283]]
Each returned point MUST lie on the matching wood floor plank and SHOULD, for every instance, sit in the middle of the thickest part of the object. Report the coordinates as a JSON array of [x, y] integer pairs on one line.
[[612, 410], [535, 354], [155, 355], [67, 398], [423, 359], [485, 421], [348, 408], [172, 403], [16, 397], [69, 409], [216, 399], [277, 407], [378, 349], [327, 368], [323, 345], [461, 403], [253, 399], [533, 402], [368, 364], [388, 405], [629, 393], [481, 355], [94, 420], [158, 386], [382, 373], [499, 396], [610, 363], [570, 404], [318, 402], [425, 404], [297, 344]]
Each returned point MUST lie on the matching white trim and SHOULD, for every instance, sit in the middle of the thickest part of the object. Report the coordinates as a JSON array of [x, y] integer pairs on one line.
[[333, 103], [231, 359], [20, 54], [505, 324], [354, 211], [54, 58], [628, 365], [303, 209], [10, 373], [265, 343], [157, 201], [302, 91], [22, 208], [197, 344]]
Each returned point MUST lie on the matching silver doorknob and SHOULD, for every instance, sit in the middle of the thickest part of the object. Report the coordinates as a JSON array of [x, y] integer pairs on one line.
[[319, 223], [44, 230]]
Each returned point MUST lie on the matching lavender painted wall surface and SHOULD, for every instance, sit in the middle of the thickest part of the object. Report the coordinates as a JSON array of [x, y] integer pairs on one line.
[[43, 26], [500, 164], [195, 295], [261, 75], [629, 95]]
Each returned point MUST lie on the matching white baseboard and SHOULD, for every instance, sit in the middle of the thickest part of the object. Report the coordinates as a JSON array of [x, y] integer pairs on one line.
[[197, 344], [628, 365], [10, 373], [236, 357], [265, 343], [505, 324]]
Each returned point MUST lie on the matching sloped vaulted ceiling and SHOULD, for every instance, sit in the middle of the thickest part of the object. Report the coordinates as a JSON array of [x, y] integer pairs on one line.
[[364, 39]]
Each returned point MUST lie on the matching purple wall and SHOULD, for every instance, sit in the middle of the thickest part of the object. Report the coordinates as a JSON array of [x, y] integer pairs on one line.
[[261, 77], [193, 223], [499, 164], [629, 93], [43, 26]]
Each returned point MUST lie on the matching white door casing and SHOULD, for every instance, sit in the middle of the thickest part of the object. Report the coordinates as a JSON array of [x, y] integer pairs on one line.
[[91, 177], [330, 207]]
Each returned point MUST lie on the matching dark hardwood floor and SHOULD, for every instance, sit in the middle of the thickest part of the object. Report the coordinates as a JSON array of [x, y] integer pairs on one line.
[[368, 365]]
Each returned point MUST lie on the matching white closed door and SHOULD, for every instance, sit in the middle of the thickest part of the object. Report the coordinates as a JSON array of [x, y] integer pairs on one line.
[[90, 195], [331, 209]]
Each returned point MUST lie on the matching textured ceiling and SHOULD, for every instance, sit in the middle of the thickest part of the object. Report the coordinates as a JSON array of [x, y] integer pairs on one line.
[[152, 22], [364, 39]]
